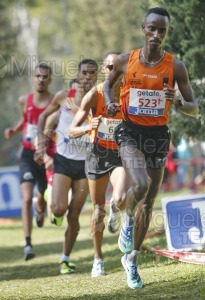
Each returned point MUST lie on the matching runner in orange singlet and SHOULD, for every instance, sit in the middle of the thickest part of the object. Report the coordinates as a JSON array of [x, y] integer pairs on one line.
[[103, 162], [143, 137]]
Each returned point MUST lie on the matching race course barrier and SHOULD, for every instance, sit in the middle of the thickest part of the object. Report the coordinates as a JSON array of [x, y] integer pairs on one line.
[[10, 195]]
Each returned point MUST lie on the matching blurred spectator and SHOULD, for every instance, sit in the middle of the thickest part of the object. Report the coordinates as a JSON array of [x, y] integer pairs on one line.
[[197, 160], [184, 156], [199, 182], [169, 181]]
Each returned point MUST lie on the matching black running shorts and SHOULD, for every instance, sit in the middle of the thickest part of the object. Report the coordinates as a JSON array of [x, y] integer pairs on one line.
[[101, 161], [74, 169], [30, 171], [152, 141]]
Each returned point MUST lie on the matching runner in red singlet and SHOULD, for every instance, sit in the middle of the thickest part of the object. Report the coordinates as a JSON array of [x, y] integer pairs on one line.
[[30, 172]]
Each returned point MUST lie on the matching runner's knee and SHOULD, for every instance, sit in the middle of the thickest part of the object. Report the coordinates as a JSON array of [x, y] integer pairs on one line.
[[58, 209], [119, 200], [140, 191], [98, 213]]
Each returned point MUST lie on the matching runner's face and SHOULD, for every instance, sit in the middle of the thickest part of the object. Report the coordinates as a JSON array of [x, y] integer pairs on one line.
[[87, 76], [108, 64], [41, 80], [155, 28]]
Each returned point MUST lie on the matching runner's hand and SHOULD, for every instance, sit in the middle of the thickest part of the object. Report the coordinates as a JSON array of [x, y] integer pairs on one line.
[[8, 133], [95, 122], [113, 108], [39, 155], [169, 93]]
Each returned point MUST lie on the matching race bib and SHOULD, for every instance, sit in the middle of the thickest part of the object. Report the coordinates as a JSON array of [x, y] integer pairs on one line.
[[107, 127], [82, 141], [31, 132], [150, 103]]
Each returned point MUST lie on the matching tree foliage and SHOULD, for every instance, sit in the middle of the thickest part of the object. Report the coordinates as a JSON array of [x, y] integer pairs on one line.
[[63, 32], [187, 42]]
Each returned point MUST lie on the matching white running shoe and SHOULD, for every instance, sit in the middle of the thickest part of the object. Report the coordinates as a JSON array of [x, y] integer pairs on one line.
[[114, 220], [28, 253], [133, 278], [98, 268]]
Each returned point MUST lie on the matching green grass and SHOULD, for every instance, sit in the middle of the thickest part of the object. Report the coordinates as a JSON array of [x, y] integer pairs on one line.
[[40, 279]]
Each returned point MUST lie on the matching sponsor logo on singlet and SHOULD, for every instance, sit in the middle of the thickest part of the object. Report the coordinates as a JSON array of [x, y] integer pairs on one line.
[[146, 102], [149, 76]]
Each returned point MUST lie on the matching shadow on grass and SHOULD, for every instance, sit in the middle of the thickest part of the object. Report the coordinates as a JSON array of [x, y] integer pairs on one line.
[[32, 270], [11, 254], [180, 289]]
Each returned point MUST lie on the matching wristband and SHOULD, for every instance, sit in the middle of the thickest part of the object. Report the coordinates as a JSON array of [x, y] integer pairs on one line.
[[108, 104]]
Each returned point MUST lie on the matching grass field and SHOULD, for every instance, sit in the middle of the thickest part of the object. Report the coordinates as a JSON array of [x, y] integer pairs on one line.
[[40, 279]]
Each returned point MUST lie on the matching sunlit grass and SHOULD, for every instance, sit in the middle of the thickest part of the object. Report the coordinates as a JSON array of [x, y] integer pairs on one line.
[[39, 278]]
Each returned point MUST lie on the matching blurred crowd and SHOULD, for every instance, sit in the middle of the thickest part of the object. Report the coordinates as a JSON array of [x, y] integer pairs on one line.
[[185, 166]]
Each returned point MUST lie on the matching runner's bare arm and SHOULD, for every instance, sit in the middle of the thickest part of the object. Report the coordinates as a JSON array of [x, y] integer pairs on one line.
[[88, 103], [10, 132], [118, 71], [52, 107], [186, 102]]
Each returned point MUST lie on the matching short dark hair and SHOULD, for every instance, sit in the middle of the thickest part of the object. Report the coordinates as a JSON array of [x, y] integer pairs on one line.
[[44, 66], [159, 11], [112, 52], [88, 61]]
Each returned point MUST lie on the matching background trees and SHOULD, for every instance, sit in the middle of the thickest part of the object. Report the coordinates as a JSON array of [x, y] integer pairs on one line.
[[187, 42]]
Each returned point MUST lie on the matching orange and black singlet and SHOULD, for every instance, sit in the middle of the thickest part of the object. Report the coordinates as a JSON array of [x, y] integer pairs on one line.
[[104, 135], [142, 95]]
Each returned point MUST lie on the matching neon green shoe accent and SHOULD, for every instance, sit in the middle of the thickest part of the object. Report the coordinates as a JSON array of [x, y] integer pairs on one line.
[[56, 220], [72, 265], [65, 268]]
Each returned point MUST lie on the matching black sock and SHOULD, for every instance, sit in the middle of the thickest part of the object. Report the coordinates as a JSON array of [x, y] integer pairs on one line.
[[28, 241]]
